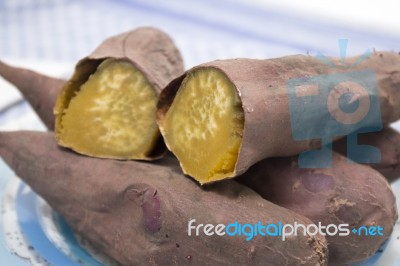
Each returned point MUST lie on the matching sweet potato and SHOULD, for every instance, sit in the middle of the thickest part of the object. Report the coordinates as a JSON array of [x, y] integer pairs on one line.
[[388, 143], [236, 112], [138, 213], [344, 194], [107, 109], [39, 90]]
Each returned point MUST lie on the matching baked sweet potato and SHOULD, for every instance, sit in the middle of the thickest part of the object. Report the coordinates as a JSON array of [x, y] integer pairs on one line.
[[347, 193], [39, 90], [388, 143], [138, 213], [236, 112], [108, 108]]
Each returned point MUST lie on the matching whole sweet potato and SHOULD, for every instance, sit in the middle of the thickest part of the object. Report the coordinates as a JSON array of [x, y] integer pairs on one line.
[[138, 213], [347, 193]]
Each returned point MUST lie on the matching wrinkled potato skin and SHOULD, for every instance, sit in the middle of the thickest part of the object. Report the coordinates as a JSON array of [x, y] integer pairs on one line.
[[262, 87], [346, 193], [148, 49], [138, 213]]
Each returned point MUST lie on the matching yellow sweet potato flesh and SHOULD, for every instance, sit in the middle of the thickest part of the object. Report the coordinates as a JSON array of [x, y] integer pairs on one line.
[[204, 125], [112, 115]]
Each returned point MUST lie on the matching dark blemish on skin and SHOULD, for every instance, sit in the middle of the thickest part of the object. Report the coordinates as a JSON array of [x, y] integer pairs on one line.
[[166, 235], [317, 182], [177, 245], [348, 214], [148, 199], [152, 210]]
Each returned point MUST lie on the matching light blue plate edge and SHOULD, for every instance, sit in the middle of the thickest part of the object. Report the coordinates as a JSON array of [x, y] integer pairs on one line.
[[7, 258], [32, 230], [31, 227], [70, 239]]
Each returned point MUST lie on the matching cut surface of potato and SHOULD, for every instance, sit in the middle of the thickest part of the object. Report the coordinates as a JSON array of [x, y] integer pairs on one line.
[[112, 115], [204, 125]]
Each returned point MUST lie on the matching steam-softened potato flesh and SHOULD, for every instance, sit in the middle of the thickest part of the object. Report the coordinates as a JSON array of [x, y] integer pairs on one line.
[[204, 125], [112, 115]]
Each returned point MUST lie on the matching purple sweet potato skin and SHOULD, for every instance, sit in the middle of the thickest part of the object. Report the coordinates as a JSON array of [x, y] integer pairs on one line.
[[346, 193], [138, 213], [39, 90], [388, 143], [148, 49], [262, 87]]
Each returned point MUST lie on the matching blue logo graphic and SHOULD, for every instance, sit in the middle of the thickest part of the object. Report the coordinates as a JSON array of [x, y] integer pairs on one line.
[[344, 103]]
